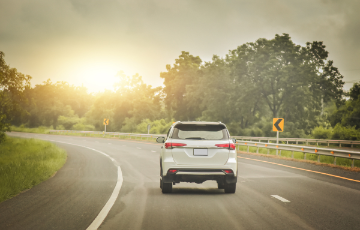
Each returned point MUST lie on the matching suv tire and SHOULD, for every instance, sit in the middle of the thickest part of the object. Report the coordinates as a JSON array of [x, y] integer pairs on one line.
[[166, 187], [230, 187]]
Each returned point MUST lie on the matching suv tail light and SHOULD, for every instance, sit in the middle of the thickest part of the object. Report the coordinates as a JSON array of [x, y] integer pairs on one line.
[[174, 171], [230, 146], [170, 145], [228, 171]]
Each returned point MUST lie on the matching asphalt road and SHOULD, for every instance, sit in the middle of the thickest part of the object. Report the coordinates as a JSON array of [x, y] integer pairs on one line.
[[268, 196]]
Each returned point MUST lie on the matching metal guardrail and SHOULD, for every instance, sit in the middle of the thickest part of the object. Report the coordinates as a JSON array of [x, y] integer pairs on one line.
[[299, 140], [304, 149], [110, 133]]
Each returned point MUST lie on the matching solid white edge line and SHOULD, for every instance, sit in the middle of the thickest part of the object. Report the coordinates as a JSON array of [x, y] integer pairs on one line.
[[280, 198], [106, 209]]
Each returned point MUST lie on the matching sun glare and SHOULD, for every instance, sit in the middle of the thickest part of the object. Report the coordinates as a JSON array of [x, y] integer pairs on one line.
[[98, 77]]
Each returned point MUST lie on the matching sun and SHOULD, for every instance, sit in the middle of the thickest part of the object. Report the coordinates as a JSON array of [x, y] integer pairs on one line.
[[97, 76]]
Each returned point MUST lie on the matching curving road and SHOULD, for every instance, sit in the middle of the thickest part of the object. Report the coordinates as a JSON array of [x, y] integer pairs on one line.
[[271, 193]]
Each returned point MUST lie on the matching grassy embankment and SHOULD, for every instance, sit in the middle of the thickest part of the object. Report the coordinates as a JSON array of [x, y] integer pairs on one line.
[[300, 156], [45, 130], [40, 129], [25, 163]]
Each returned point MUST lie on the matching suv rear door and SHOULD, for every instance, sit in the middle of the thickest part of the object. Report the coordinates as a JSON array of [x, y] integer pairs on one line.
[[199, 144]]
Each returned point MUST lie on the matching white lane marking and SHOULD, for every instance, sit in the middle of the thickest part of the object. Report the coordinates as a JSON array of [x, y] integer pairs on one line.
[[109, 143], [153, 151], [280, 198], [138, 148], [106, 209]]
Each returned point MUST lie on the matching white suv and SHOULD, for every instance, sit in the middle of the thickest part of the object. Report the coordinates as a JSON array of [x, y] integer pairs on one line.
[[198, 151]]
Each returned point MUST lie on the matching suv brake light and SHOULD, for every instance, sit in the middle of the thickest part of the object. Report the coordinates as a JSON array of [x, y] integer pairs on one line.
[[228, 171], [170, 145], [230, 146]]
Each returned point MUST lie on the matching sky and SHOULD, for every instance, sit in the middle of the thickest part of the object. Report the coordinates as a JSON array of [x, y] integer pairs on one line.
[[86, 42]]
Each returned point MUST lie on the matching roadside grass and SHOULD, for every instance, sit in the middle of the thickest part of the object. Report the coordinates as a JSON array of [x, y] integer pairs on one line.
[[300, 156], [45, 130], [127, 137], [41, 129], [25, 163]]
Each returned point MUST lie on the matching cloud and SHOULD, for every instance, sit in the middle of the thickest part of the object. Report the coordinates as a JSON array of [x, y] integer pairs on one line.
[[47, 38]]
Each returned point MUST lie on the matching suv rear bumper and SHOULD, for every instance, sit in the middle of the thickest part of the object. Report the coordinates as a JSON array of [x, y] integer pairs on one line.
[[199, 176]]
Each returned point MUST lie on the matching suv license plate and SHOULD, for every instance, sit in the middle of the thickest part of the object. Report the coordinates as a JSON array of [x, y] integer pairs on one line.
[[200, 152]]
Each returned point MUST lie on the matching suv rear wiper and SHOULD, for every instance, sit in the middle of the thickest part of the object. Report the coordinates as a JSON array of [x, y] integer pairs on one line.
[[195, 138]]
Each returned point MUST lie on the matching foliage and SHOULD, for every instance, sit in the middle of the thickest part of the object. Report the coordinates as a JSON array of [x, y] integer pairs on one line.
[[288, 78], [132, 101], [50, 100], [248, 87], [25, 163], [183, 73], [348, 114], [83, 127], [345, 118], [322, 133], [156, 127], [255, 83], [12, 85], [40, 129], [345, 133]]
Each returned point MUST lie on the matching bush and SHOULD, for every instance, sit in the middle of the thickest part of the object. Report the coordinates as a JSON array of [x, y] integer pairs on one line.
[[345, 133], [322, 133], [129, 125], [68, 122], [60, 127], [256, 132], [40, 129], [83, 127], [157, 127]]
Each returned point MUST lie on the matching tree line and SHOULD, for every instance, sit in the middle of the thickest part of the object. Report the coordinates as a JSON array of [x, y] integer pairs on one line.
[[248, 87]]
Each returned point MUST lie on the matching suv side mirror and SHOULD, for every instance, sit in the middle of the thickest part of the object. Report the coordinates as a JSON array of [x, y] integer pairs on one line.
[[233, 140], [160, 139]]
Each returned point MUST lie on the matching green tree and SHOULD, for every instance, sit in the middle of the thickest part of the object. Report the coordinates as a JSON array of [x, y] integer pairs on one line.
[[291, 79], [130, 103], [348, 114], [12, 85], [184, 72]]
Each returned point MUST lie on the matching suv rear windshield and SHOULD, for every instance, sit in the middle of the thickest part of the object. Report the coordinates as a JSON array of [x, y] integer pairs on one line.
[[199, 132]]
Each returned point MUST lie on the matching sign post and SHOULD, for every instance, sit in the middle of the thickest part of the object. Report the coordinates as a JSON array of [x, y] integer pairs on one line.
[[106, 122], [278, 126], [148, 128]]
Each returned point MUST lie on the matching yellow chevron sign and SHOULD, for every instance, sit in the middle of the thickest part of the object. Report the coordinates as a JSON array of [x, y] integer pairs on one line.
[[278, 124], [106, 121]]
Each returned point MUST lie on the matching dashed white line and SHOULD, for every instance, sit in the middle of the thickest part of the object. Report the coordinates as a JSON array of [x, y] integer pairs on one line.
[[153, 151], [280, 198], [138, 148]]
